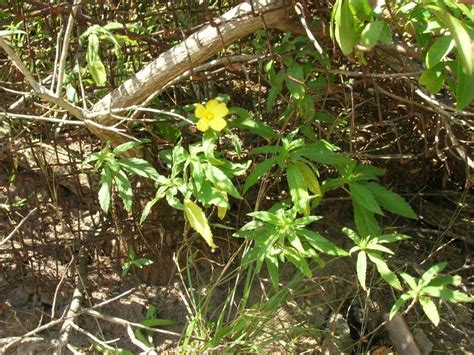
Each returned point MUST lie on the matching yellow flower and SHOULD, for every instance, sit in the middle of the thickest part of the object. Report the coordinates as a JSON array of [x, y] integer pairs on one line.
[[211, 116]]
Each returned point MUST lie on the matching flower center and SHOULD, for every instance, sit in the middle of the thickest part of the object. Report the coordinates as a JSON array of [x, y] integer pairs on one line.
[[209, 116]]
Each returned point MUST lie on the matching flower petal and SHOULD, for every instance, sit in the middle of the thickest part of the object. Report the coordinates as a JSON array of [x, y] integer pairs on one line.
[[202, 125], [219, 109], [200, 111], [218, 124]]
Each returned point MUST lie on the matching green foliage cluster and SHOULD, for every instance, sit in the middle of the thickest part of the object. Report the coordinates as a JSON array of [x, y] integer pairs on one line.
[[202, 179], [206, 175]]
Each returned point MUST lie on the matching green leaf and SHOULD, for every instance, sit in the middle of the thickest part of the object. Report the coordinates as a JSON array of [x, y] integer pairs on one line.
[[398, 304], [364, 197], [461, 37], [258, 172], [464, 89], [345, 31], [96, 67], [373, 32], [299, 261], [309, 177], [272, 266], [124, 189], [433, 79], [198, 221], [374, 246], [158, 322], [318, 242], [105, 189], [320, 154], [296, 243], [217, 176], [447, 294], [365, 221], [324, 117], [111, 26], [438, 51], [445, 280], [391, 238], [147, 209], [409, 280], [92, 48], [295, 81], [430, 309], [352, 235], [245, 121], [362, 268], [139, 167], [265, 216], [298, 189], [309, 108], [122, 148], [431, 273], [384, 271]]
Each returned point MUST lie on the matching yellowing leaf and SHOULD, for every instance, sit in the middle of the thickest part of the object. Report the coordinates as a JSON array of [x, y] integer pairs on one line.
[[221, 212], [309, 177], [198, 221]]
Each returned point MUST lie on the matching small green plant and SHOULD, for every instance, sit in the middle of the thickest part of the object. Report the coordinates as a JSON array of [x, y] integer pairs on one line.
[[114, 173], [372, 248], [279, 235], [296, 158], [151, 320], [134, 262], [429, 286]]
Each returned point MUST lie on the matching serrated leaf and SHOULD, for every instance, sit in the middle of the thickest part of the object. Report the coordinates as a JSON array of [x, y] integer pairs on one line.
[[397, 305], [361, 268], [445, 280], [381, 248], [365, 221], [147, 209], [321, 244], [351, 234], [409, 280], [447, 294], [438, 51], [430, 309], [139, 167], [431, 273], [364, 197], [122, 148], [390, 201], [217, 177], [384, 271], [298, 189], [272, 266], [391, 238], [258, 172], [198, 221], [245, 121], [309, 177]]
